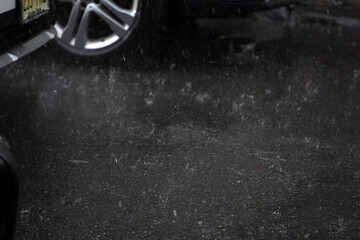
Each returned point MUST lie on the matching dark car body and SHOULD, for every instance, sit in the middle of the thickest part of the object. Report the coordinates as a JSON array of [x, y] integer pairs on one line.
[[23, 28]]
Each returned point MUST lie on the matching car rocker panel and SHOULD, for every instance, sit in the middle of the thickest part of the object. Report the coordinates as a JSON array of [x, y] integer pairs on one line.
[[25, 26]]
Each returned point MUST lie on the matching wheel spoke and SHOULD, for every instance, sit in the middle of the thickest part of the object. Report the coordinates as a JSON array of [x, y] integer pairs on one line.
[[117, 27], [82, 36], [127, 16], [70, 28]]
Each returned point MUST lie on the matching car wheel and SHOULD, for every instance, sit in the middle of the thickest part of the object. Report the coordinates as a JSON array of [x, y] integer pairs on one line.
[[94, 27]]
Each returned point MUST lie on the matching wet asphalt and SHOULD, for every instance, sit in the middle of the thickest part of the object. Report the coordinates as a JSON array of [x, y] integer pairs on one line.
[[191, 138]]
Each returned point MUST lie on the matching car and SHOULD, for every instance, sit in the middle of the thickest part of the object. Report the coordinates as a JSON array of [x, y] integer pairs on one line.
[[24, 26], [94, 27]]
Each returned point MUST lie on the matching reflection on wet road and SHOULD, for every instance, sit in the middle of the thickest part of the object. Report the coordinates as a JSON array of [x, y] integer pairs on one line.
[[189, 139]]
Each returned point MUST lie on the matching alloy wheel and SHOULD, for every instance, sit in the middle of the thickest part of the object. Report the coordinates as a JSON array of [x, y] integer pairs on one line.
[[91, 27]]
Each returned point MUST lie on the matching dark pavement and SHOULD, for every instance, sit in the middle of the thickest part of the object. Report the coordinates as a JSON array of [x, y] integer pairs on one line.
[[191, 138]]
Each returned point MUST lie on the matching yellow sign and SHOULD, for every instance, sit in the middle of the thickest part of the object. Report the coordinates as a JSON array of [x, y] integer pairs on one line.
[[34, 8]]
